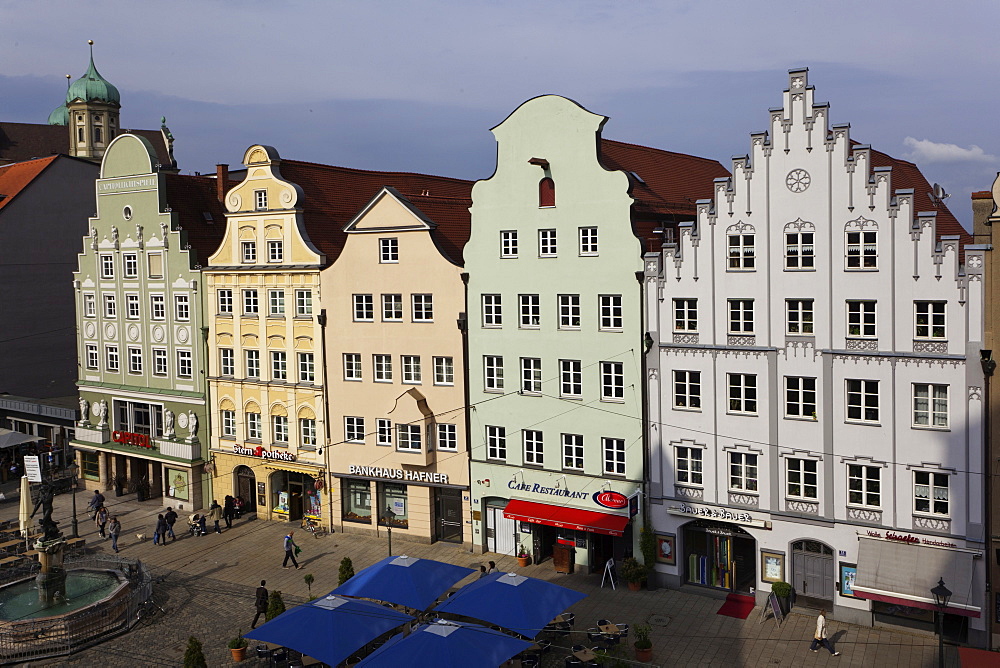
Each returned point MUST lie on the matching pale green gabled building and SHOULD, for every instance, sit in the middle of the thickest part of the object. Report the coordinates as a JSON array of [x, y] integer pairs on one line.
[[556, 337], [141, 328]]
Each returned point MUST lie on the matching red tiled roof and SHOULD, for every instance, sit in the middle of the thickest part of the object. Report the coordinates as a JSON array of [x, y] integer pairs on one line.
[[190, 197], [334, 195], [905, 174], [27, 141], [670, 183], [14, 178]]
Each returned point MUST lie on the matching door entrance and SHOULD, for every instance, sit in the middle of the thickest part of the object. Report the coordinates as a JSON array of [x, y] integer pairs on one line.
[[812, 573], [719, 555], [448, 511], [246, 488], [499, 531]]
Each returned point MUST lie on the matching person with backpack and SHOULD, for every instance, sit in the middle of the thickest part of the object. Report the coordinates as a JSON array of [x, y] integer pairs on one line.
[[290, 549]]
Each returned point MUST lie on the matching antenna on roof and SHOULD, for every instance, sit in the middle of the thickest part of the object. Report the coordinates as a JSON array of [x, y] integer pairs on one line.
[[938, 194]]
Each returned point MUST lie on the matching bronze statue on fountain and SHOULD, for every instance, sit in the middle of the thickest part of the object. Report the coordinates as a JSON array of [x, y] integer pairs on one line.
[[50, 528]]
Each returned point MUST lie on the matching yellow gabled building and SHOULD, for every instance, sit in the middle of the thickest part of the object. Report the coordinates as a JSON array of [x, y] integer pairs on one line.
[[266, 353]]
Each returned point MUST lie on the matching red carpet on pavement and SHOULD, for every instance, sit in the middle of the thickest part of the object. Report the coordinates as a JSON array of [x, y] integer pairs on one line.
[[737, 605]]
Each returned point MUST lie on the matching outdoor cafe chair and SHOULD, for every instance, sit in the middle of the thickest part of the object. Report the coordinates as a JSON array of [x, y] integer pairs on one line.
[[603, 622], [571, 619], [279, 655], [262, 652], [544, 645], [594, 635], [573, 662]]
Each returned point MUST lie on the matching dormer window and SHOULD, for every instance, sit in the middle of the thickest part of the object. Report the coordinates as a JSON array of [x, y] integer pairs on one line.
[[260, 200], [546, 193], [248, 250]]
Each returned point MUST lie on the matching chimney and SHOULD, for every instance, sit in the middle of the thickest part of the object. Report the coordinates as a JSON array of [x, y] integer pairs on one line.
[[221, 181]]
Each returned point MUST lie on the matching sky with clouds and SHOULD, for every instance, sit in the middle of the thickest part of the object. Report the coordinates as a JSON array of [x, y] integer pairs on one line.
[[415, 86]]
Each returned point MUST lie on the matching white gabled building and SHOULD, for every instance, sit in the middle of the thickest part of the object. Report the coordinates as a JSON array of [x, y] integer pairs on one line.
[[815, 391]]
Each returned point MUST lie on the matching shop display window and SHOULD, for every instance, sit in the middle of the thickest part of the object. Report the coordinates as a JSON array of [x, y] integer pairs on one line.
[[357, 501], [392, 497], [91, 468]]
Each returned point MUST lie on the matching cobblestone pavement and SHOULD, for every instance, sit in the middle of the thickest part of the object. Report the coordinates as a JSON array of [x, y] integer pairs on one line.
[[208, 585]]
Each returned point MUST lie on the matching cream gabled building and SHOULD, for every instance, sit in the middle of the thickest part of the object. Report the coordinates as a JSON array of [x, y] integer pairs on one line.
[[266, 356], [396, 383]]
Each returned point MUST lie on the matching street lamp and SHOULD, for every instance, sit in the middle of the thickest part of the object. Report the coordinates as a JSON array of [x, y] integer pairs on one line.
[[73, 470], [941, 596], [387, 517]]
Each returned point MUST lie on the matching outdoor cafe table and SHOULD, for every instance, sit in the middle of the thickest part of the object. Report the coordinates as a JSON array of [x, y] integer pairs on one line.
[[561, 619], [586, 654], [10, 543], [609, 628]]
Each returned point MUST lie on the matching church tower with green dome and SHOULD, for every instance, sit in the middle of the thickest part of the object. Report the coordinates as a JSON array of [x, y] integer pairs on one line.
[[91, 113]]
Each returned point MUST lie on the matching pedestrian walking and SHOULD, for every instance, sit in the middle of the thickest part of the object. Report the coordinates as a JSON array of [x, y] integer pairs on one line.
[[96, 502], [229, 511], [215, 514], [160, 533], [170, 516], [290, 549], [260, 602], [114, 529], [819, 637], [101, 520]]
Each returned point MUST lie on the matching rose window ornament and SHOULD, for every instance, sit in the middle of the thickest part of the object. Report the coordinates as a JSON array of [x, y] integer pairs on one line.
[[797, 180]]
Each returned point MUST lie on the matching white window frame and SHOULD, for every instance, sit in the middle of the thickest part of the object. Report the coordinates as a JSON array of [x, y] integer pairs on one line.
[[303, 303], [689, 465], [531, 375], [93, 360], [803, 473], [279, 365], [157, 307], [382, 366], [571, 379], [227, 362], [530, 311], [800, 252], [228, 420], [744, 472], [307, 433], [569, 312], [107, 267], [182, 308], [612, 318], [132, 306], [859, 391], [279, 428], [492, 373], [741, 316], [444, 371], [392, 307], [685, 315], [224, 299], [185, 364], [614, 455], [573, 452], [447, 437], [276, 303], [111, 360], [251, 302], [160, 362], [248, 252], [422, 307], [409, 437], [547, 243], [935, 316], [687, 390], [508, 243], [352, 367], [275, 250], [933, 503], [492, 311], [252, 362], [89, 305], [254, 426], [532, 441], [741, 252], [260, 199], [364, 308], [865, 255], [862, 318], [862, 485], [388, 250], [383, 431], [798, 392], [130, 265], [588, 241], [799, 317], [354, 429], [613, 381], [411, 369], [496, 443], [307, 367], [742, 395], [930, 405], [110, 305]]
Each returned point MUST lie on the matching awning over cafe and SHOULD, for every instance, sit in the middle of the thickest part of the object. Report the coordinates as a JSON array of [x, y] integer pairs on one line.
[[566, 518], [904, 574]]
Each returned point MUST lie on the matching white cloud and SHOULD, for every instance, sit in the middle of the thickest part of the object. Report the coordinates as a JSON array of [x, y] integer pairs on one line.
[[925, 150]]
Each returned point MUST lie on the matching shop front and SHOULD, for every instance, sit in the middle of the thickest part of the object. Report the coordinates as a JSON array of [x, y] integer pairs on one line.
[[420, 506], [719, 555], [275, 484]]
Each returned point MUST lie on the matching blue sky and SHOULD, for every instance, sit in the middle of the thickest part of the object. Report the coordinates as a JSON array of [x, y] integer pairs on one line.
[[414, 86]]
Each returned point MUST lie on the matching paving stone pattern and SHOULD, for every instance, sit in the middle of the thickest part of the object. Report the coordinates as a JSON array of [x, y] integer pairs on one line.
[[207, 584]]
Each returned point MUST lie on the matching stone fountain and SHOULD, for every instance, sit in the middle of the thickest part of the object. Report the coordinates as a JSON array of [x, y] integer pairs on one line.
[[51, 580]]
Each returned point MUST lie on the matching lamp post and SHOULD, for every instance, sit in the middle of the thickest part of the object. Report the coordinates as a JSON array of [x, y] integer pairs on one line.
[[941, 596], [73, 470], [388, 516]]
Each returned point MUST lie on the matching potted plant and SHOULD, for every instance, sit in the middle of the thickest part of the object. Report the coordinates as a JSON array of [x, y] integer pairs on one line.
[[783, 591], [523, 558], [346, 571], [633, 573], [238, 647], [194, 657], [309, 579], [275, 606], [643, 645]]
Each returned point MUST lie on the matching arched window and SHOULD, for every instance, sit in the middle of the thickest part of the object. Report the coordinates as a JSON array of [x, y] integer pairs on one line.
[[97, 136], [546, 192]]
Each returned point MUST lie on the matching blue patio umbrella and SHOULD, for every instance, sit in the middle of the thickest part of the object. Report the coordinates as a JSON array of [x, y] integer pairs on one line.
[[415, 583], [446, 644], [515, 602], [331, 628]]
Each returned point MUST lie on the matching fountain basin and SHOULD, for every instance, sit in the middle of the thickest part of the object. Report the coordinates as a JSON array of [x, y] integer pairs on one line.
[[19, 601]]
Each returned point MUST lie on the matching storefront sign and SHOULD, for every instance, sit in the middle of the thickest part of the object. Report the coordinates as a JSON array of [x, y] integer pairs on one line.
[[909, 539], [264, 454], [398, 474], [32, 469], [722, 514], [535, 488], [126, 185], [128, 438], [609, 499]]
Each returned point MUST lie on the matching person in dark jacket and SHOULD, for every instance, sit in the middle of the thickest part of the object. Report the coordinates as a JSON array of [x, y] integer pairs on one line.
[[114, 529], [229, 511], [160, 534], [260, 602], [170, 516], [96, 502]]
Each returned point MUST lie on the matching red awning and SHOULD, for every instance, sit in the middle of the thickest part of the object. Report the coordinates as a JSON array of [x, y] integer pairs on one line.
[[566, 518]]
